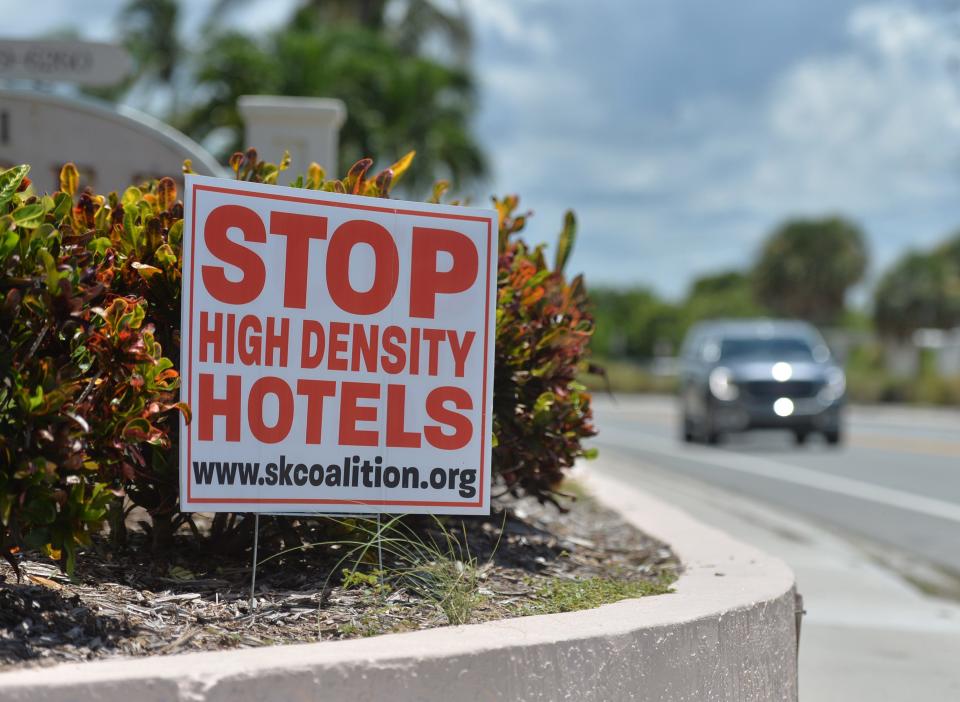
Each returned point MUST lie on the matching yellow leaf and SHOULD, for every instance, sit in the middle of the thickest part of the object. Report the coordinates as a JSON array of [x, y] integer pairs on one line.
[[145, 271], [69, 179], [315, 176], [439, 188], [401, 166]]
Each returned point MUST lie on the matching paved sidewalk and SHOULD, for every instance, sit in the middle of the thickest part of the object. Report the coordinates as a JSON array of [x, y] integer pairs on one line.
[[868, 634]]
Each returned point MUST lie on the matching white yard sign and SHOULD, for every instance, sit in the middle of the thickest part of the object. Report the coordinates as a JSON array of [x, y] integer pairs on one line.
[[337, 352]]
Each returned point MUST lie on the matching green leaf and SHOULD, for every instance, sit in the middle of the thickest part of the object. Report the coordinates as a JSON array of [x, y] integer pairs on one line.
[[6, 506], [8, 243], [565, 241], [130, 229], [62, 203], [36, 399], [71, 563], [175, 235], [46, 231], [100, 245], [165, 256], [28, 216], [131, 196], [53, 275], [10, 180], [544, 402], [102, 218]]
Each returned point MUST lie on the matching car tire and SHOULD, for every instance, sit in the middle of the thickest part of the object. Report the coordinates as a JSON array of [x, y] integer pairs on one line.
[[800, 437], [710, 434], [834, 436], [686, 431]]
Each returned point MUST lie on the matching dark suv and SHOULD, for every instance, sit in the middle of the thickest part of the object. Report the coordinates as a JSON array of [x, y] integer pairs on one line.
[[759, 374]]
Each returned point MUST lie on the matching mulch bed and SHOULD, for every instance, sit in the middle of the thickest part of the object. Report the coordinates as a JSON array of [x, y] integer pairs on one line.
[[124, 604]]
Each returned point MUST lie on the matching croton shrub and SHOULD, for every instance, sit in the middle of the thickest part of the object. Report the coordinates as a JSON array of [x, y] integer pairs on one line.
[[541, 413], [85, 388], [90, 338]]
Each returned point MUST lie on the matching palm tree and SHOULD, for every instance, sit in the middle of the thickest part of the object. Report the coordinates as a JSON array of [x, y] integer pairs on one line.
[[407, 24], [920, 290], [369, 53], [396, 101], [148, 29], [807, 266]]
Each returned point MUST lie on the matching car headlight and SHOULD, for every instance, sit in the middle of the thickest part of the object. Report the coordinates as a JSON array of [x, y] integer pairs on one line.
[[835, 387], [722, 385]]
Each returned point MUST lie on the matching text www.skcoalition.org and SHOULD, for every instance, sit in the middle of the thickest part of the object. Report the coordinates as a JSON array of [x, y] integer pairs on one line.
[[351, 473]]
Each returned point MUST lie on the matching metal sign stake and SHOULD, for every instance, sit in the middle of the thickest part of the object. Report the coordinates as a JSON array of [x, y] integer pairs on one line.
[[253, 575], [380, 550]]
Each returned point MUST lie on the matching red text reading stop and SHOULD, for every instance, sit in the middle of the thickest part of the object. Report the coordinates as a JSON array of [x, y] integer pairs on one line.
[[426, 281]]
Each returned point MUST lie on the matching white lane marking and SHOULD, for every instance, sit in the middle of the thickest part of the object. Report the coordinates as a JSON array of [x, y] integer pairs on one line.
[[795, 474]]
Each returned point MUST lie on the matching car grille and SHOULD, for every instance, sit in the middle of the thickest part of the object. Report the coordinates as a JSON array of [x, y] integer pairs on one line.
[[767, 389]]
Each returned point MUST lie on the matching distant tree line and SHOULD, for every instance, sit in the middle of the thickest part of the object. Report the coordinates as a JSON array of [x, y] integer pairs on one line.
[[804, 270], [921, 290]]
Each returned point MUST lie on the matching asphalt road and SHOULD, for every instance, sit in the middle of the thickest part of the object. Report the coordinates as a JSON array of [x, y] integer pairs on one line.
[[895, 481]]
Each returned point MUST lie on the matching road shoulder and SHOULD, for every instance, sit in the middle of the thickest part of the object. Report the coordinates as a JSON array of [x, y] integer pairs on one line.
[[869, 633]]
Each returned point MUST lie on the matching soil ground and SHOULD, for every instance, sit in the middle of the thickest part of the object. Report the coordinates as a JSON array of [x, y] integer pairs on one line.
[[525, 558]]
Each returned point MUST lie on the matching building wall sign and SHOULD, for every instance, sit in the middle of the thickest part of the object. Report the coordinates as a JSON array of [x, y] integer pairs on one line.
[[113, 147], [78, 62]]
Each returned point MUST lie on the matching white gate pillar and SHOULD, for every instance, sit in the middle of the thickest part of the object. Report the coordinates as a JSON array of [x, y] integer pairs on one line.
[[309, 128]]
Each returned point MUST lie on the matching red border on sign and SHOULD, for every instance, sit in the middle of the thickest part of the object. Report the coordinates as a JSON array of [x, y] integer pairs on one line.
[[325, 501]]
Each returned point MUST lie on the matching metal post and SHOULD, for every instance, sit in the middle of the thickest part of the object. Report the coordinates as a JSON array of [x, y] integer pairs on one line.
[[253, 575], [380, 550]]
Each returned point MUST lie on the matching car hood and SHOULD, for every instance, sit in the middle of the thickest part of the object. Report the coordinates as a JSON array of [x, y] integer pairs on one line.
[[763, 370]]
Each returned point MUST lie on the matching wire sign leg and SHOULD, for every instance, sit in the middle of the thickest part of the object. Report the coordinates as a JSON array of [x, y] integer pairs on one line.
[[253, 575]]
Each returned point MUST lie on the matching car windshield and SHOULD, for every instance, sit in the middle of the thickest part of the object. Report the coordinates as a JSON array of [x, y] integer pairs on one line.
[[774, 348]]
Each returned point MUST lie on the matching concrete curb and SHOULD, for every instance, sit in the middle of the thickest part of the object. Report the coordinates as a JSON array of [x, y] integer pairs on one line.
[[728, 633]]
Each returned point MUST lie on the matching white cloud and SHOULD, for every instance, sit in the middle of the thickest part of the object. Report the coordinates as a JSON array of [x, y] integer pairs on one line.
[[502, 19], [901, 32], [870, 128]]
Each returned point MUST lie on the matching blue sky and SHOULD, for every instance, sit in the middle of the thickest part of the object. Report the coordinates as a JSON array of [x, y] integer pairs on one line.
[[682, 131]]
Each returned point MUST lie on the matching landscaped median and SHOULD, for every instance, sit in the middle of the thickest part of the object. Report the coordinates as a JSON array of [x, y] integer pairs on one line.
[[728, 632]]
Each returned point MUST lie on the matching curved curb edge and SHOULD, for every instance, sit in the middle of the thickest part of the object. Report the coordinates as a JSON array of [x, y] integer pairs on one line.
[[727, 633]]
